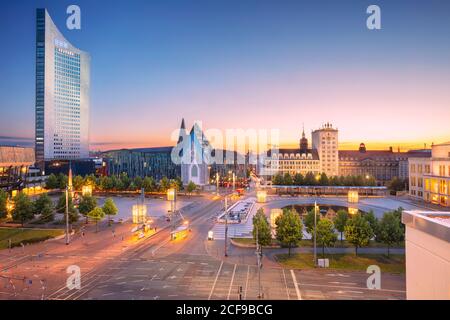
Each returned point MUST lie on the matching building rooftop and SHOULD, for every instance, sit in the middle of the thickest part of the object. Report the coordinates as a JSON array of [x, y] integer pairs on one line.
[[145, 150], [435, 223], [16, 156]]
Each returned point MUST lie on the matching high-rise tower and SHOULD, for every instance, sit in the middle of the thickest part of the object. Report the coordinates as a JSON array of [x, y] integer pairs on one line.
[[62, 95], [325, 141]]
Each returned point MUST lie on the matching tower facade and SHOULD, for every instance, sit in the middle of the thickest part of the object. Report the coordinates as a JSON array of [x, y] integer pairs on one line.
[[325, 141], [62, 95], [303, 142]]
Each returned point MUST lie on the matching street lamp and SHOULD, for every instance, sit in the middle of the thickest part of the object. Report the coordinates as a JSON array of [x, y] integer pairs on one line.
[[172, 197], [217, 182], [226, 227], [315, 233]]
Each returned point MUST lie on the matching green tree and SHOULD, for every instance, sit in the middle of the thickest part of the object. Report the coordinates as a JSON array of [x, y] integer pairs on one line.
[[86, 205], [125, 181], [261, 224], [78, 182], [389, 230], [298, 179], [3, 204], [110, 209], [164, 184], [91, 180], [52, 182], [278, 180], [62, 181], [326, 236], [308, 221], [44, 206], [340, 221], [397, 184], [372, 220], [149, 184], [310, 179], [138, 182], [191, 187], [358, 232], [61, 207], [23, 208], [287, 179], [289, 228], [324, 181], [96, 214], [106, 183], [179, 183]]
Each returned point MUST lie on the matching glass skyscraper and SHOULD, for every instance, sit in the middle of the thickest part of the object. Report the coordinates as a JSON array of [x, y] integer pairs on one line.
[[62, 95]]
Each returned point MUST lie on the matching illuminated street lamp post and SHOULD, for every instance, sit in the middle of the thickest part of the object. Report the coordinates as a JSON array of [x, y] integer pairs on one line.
[[234, 182], [226, 227], [172, 197], [315, 234], [68, 189], [217, 182]]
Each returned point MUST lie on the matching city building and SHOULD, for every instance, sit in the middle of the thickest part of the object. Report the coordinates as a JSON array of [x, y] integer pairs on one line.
[[429, 177], [383, 165], [14, 167], [62, 95], [196, 153], [324, 156], [325, 141], [301, 160], [142, 162], [427, 246]]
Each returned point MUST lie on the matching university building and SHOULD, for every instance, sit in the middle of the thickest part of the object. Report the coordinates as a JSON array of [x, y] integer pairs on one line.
[[324, 156], [429, 177], [383, 165], [62, 95], [292, 161]]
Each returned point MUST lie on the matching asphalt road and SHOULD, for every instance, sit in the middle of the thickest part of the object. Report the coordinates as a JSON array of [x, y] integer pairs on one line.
[[157, 268]]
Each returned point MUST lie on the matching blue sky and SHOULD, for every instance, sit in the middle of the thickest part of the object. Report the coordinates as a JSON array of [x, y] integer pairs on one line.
[[243, 64]]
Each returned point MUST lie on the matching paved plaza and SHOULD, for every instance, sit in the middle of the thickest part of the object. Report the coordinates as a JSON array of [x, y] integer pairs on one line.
[[116, 266]]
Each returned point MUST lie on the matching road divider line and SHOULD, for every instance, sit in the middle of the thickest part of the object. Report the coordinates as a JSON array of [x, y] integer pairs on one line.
[[246, 282], [231, 282], [299, 295], [215, 280], [285, 283]]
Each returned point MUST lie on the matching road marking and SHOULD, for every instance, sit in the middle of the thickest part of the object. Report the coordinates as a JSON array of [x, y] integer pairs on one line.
[[246, 282], [337, 282], [285, 283], [347, 287], [231, 282], [107, 294], [215, 280], [160, 246], [299, 296]]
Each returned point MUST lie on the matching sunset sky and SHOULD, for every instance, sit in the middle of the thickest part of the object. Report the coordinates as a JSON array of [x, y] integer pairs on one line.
[[243, 64]]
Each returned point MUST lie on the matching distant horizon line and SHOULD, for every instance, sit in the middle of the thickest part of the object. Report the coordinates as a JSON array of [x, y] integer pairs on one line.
[[344, 145]]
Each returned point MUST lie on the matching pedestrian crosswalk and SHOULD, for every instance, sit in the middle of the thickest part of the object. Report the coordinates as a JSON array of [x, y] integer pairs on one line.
[[234, 231]]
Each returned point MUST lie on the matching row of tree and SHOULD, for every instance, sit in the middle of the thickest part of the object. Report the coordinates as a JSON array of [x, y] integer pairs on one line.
[[358, 229], [24, 209], [310, 179], [118, 183]]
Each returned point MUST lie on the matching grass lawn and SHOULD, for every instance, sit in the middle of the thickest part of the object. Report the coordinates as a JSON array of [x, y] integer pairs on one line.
[[26, 235], [393, 264]]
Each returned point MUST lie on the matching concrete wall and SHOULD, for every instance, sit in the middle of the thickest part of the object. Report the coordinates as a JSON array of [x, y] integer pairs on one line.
[[427, 266]]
